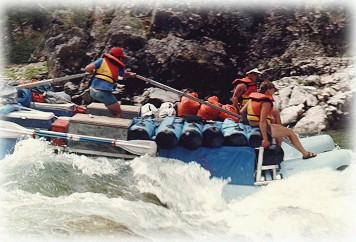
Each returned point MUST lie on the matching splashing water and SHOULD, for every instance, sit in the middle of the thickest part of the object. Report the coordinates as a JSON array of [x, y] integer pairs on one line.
[[67, 197]]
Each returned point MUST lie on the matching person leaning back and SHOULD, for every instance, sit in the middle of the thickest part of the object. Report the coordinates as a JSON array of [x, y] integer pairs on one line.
[[107, 71], [258, 111]]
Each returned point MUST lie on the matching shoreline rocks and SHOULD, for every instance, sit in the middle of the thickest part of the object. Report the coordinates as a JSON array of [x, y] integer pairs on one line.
[[316, 102]]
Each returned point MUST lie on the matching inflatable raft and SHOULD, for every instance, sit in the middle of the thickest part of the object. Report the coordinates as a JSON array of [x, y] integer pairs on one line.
[[228, 149]]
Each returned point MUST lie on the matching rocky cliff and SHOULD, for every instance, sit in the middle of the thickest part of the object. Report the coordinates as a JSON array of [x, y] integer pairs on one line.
[[188, 45]]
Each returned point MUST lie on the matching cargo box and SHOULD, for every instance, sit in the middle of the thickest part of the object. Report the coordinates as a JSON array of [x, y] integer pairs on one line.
[[31, 119], [98, 126], [60, 125], [127, 111], [63, 109]]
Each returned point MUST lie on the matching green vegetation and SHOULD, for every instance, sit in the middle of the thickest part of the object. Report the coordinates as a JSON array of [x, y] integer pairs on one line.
[[25, 28], [25, 72], [21, 51]]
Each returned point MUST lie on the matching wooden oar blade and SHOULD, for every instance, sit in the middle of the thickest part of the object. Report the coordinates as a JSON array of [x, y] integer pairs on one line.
[[12, 130], [139, 147]]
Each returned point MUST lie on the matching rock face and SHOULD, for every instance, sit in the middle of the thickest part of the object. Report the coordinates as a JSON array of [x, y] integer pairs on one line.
[[189, 46], [314, 103]]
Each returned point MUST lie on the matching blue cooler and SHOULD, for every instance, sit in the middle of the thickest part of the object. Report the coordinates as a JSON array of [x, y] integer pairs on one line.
[[31, 119]]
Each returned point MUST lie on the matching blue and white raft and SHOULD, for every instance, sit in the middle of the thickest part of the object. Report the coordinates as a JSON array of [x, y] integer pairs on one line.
[[240, 159], [228, 150]]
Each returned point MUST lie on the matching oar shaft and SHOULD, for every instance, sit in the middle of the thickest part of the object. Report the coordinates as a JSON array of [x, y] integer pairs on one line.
[[84, 138], [138, 147], [50, 81], [170, 89], [74, 137]]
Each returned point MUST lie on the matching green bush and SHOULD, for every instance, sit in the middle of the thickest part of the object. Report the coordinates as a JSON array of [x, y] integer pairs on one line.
[[21, 51]]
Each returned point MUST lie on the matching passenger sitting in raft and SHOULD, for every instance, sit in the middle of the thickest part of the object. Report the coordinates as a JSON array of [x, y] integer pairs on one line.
[[244, 87], [258, 113]]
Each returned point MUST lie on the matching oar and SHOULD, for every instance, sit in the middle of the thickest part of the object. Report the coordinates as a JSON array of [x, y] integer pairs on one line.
[[170, 89], [50, 81], [137, 147], [167, 88]]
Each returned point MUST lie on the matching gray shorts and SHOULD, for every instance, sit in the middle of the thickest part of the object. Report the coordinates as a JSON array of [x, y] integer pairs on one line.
[[105, 97]]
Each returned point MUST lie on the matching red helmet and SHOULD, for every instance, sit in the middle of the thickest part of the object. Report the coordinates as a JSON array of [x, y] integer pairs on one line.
[[118, 52]]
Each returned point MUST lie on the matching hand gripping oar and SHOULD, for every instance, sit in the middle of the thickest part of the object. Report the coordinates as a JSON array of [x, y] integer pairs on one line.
[[137, 147], [50, 81], [170, 89]]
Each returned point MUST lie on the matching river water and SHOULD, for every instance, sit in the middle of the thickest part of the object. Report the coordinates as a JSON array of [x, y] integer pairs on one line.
[[66, 197]]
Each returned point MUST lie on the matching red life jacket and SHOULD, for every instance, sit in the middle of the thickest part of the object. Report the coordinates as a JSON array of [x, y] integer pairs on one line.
[[254, 107], [207, 112], [251, 87], [109, 69], [231, 108], [187, 105]]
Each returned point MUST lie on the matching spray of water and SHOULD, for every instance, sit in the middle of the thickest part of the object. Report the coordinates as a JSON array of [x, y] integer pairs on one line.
[[68, 197]]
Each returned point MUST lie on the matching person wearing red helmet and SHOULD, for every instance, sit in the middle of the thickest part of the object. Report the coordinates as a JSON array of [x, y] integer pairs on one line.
[[107, 71]]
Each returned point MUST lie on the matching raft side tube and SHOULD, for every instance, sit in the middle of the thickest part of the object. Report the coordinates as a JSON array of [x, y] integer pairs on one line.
[[168, 132], [234, 133], [191, 137], [141, 129], [212, 135]]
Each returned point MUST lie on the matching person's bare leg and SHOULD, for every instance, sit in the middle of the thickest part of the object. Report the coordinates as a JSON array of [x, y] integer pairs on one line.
[[279, 131], [277, 120], [115, 109]]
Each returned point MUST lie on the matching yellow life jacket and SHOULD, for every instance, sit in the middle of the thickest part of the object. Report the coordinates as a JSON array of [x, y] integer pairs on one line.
[[254, 107], [109, 69]]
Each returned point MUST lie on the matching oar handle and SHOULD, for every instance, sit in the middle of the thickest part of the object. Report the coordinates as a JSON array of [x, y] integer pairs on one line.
[[50, 81], [167, 88]]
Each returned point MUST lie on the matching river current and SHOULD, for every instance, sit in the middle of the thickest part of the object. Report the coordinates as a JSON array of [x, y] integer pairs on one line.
[[66, 197]]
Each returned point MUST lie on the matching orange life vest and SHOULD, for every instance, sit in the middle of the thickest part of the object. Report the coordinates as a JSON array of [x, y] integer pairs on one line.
[[231, 108], [251, 87], [209, 113], [187, 105], [109, 69], [254, 107]]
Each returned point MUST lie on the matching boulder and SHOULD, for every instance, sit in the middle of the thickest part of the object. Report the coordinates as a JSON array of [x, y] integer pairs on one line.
[[314, 121], [291, 115], [66, 52], [157, 96], [198, 65], [301, 95]]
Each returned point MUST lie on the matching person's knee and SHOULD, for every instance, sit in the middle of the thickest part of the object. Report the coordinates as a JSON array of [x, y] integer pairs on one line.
[[277, 116]]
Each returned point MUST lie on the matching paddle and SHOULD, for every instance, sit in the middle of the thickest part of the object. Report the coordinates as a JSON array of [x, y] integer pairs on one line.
[[167, 88], [137, 147], [50, 81]]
